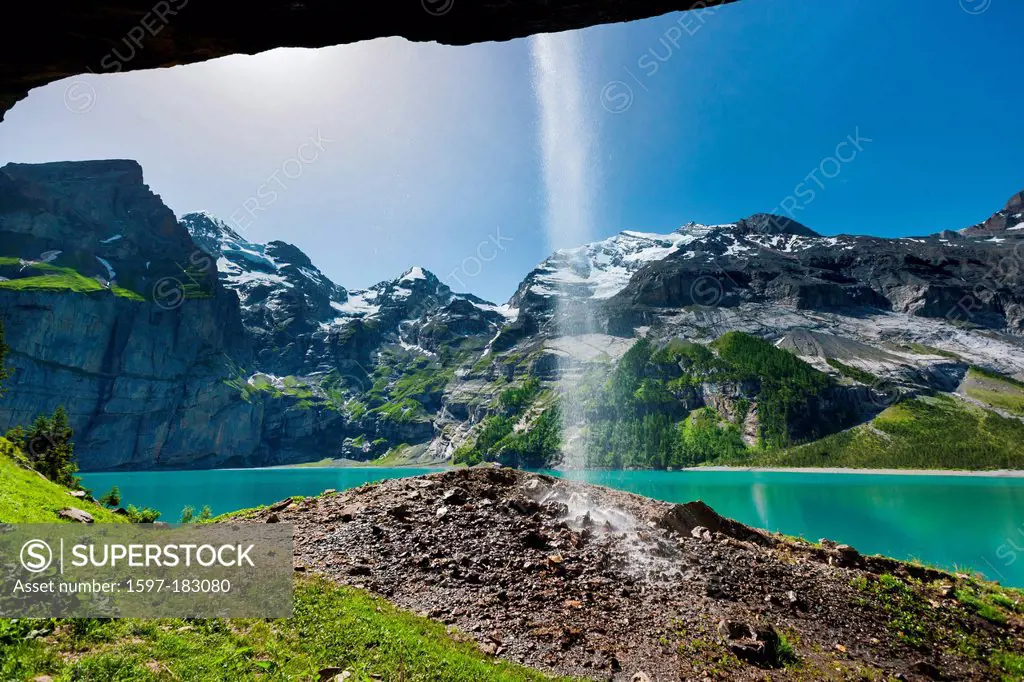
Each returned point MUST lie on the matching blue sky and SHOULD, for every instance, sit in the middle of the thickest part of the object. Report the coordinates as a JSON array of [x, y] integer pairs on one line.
[[430, 151]]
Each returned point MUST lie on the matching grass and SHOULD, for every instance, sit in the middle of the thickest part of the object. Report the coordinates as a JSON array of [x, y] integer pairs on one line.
[[1009, 663], [54, 282], [979, 605], [332, 626], [922, 349], [903, 605], [57, 278], [396, 456], [925, 433], [995, 390], [26, 497]]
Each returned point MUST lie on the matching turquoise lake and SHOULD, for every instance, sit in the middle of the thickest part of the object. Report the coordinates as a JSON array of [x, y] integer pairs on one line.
[[975, 522]]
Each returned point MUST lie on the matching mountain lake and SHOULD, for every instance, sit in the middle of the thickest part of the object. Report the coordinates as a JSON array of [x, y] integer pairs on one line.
[[973, 522]]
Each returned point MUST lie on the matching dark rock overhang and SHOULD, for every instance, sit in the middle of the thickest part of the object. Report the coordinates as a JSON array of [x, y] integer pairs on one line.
[[46, 40]]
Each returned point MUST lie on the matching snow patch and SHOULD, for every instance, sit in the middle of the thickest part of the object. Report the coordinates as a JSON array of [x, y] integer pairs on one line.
[[416, 272], [110, 270]]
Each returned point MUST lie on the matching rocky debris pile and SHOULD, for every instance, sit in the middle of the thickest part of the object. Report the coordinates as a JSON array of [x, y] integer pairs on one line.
[[582, 580]]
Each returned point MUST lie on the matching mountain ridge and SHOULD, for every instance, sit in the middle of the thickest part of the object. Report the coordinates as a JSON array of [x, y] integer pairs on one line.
[[293, 367]]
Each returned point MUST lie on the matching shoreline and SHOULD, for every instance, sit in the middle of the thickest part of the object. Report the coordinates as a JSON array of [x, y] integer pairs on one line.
[[993, 473]]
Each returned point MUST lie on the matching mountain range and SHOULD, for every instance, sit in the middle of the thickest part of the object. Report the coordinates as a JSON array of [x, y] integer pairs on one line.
[[178, 343]]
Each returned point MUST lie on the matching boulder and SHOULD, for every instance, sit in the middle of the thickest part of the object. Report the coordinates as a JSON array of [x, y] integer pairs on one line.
[[685, 518], [76, 515]]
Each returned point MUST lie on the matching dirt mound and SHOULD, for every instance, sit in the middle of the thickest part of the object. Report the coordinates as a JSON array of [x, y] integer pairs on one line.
[[583, 580]]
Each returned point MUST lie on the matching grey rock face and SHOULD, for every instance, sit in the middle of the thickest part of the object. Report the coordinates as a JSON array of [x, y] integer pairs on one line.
[[259, 358]]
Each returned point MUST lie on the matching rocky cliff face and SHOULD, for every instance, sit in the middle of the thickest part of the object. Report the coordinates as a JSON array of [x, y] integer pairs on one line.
[[180, 343], [109, 311]]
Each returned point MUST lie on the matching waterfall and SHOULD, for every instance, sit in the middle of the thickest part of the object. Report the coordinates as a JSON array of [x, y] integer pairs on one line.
[[569, 170]]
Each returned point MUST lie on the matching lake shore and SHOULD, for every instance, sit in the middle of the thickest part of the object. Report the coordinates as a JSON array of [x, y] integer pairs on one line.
[[995, 473]]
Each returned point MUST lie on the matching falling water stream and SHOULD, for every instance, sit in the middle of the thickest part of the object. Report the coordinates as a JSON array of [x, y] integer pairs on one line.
[[569, 170]]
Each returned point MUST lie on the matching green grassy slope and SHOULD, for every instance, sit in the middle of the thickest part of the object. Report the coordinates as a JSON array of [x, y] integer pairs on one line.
[[57, 278], [27, 497], [332, 626], [994, 390], [926, 433]]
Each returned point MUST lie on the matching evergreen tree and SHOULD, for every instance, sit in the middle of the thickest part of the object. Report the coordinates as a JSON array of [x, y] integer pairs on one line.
[[113, 498], [48, 446]]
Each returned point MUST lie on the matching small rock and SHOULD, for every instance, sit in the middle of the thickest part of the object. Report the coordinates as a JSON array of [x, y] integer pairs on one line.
[[640, 676], [927, 669], [76, 515], [273, 518], [79, 494], [701, 533], [795, 601], [400, 511], [441, 512], [282, 505], [847, 556], [332, 674], [732, 629], [455, 496]]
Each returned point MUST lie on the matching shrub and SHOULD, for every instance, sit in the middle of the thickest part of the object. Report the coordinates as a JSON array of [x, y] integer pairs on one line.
[[112, 498]]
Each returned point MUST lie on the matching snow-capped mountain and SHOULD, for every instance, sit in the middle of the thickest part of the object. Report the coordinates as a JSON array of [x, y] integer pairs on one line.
[[297, 314], [600, 270], [261, 359]]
